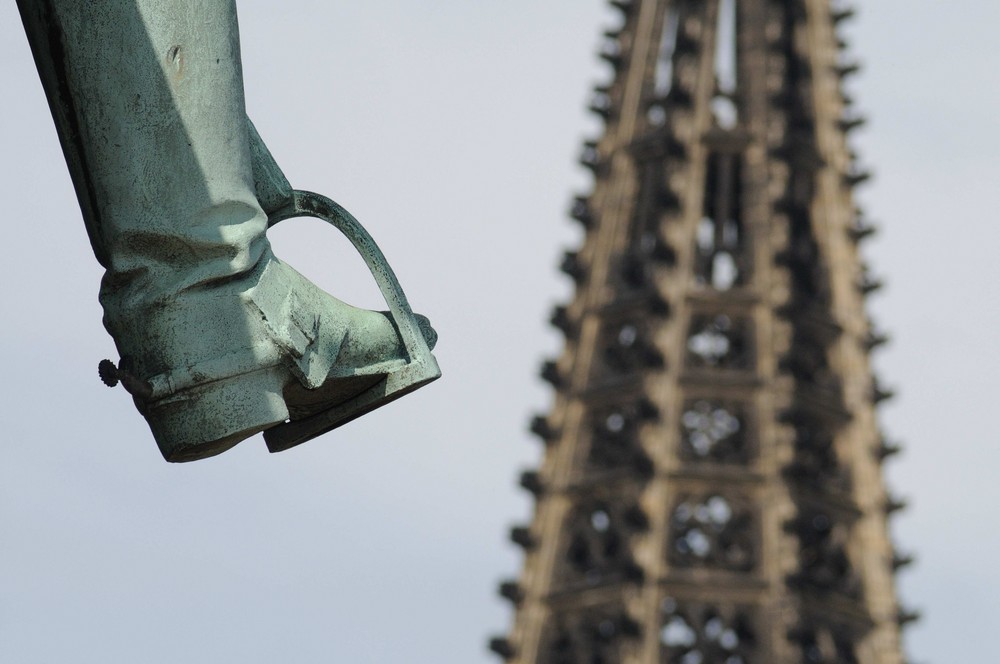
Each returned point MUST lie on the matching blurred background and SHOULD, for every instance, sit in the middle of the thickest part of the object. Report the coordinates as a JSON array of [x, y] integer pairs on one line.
[[451, 129]]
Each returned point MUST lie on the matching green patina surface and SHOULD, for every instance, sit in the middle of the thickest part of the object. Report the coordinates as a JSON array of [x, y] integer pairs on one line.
[[218, 338]]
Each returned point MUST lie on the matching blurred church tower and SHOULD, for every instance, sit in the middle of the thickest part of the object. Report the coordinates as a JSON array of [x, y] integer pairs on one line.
[[711, 490]]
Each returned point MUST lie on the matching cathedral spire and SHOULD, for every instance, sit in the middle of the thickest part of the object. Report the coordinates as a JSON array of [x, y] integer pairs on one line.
[[711, 490]]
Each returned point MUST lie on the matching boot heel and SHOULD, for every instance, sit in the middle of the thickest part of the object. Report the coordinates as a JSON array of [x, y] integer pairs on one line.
[[208, 419]]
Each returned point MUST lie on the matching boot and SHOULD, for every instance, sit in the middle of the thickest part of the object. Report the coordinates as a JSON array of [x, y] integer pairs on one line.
[[218, 338]]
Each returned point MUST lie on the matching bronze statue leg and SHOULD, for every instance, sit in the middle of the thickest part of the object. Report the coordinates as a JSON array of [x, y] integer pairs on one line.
[[218, 338]]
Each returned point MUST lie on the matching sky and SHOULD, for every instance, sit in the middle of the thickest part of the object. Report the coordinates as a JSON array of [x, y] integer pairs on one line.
[[450, 128]]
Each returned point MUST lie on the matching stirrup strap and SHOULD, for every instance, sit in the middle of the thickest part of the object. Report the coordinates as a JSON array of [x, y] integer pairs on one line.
[[280, 202]]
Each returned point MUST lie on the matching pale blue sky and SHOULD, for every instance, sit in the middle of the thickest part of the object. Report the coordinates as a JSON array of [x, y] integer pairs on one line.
[[451, 129]]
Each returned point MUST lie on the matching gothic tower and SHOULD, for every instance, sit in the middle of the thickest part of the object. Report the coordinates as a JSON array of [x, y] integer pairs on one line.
[[711, 490]]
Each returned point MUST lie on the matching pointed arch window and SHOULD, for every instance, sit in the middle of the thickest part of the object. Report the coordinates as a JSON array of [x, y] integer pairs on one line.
[[720, 260]]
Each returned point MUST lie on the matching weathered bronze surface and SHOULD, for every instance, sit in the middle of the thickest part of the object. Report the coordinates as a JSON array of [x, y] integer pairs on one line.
[[218, 338]]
